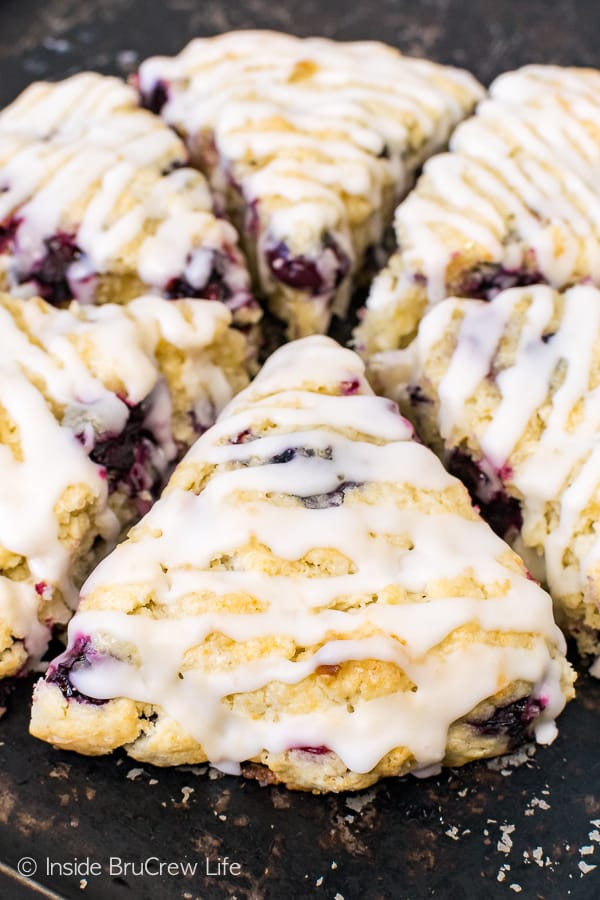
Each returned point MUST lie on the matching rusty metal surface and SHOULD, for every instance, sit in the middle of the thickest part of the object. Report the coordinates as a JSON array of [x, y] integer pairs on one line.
[[528, 826]]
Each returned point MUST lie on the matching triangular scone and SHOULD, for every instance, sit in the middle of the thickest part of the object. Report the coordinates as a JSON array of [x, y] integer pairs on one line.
[[96, 404], [509, 392], [314, 598], [97, 203], [311, 143], [515, 203]]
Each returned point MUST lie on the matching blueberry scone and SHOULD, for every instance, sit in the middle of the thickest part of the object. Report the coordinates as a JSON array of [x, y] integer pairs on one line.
[[96, 404], [310, 143], [97, 203], [509, 393], [313, 601], [515, 203]]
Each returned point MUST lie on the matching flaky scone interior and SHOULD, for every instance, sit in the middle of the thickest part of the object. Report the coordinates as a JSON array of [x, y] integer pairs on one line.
[[313, 601]]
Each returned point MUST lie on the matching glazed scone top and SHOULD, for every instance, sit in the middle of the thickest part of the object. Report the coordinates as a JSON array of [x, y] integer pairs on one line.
[[533, 358], [306, 125], [66, 377], [519, 190], [275, 537], [81, 164], [92, 104]]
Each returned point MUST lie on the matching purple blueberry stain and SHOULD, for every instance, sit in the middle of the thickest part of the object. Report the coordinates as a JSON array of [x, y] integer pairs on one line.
[[79, 655], [284, 457], [314, 751], [243, 437], [513, 721], [43, 590], [501, 512], [350, 387], [505, 472]]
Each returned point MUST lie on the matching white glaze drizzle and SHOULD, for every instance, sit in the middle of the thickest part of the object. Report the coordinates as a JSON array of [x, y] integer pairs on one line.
[[76, 354], [300, 123], [561, 467], [80, 158], [520, 186], [298, 394]]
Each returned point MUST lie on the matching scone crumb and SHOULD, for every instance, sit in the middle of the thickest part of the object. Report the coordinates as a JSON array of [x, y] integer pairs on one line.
[[505, 843], [501, 876], [187, 792]]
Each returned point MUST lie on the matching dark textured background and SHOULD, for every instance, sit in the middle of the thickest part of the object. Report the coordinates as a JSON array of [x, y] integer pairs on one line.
[[403, 840], [55, 37]]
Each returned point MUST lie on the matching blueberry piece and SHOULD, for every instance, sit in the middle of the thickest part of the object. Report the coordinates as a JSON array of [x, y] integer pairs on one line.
[[215, 287], [487, 280], [333, 498], [284, 457], [306, 452], [8, 230], [302, 272], [127, 457], [155, 99], [503, 513], [298, 272], [513, 721], [59, 671], [50, 274]]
